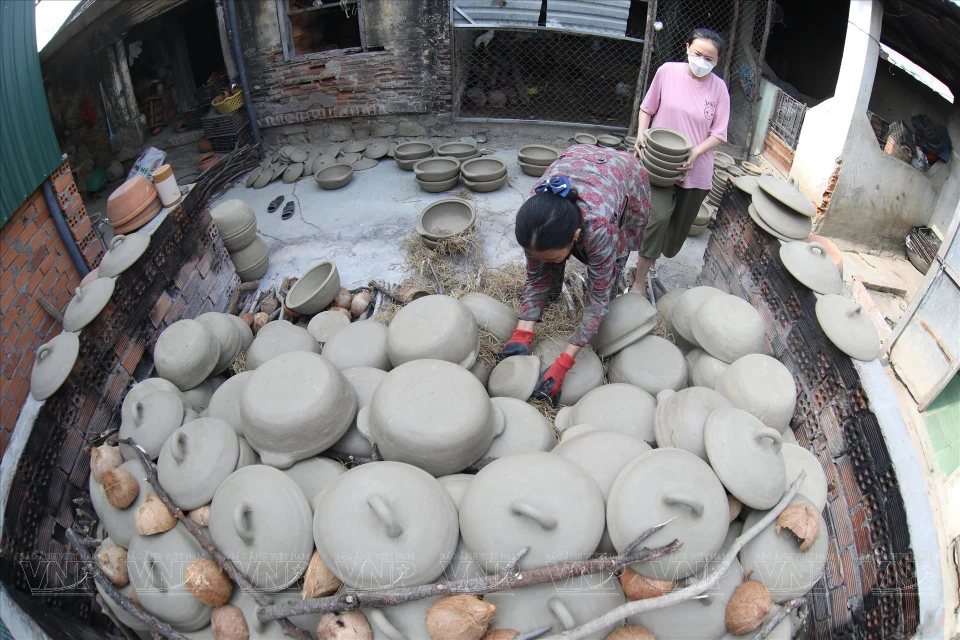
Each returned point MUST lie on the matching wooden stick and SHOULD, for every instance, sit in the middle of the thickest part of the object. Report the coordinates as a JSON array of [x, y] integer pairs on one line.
[[488, 584], [235, 296], [689, 592], [107, 611], [536, 633], [289, 629], [390, 294], [435, 277], [771, 624], [49, 308]]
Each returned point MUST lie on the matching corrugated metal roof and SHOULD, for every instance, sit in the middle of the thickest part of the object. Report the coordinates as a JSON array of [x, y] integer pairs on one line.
[[489, 12], [29, 151], [600, 16]]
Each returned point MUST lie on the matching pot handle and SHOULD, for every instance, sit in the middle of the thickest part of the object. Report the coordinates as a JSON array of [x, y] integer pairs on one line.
[[856, 309], [155, 578], [244, 531], [378, 620], [771, 434], [816, 246], [176, 446], [499, 420], [77, 294], [138, 414], [117, 241], [383, 511], [672, 499], [563, 614], [44, 351], [521, 508]]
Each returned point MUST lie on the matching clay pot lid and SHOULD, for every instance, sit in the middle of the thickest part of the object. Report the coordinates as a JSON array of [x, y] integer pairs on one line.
[[810, 263], [331, 149], [323, 325], [457, 149], [616, 407], [256, 512], [676, 486], [762, 386], [295, 155], [685, 308], [538, 155], [356, 146], [360, 344], [365, 163], [278, 337], [752, 210], [585, 138], [87, 303], [129, 199], [668, 140], [387, 508], [515, 377], [186, 353], [832, 250], [151, 421], [225, 401], [123, 254], [745, 455], [321, 162], [680, 418], [723, 159], [602, 454], [491, 314], [377, 150], [525, 429], [483, 169], [278, 169], [293, 172], [195, 459], [227, 334], [413, 150], [629, 318], [587, 372], [437, 327], [349, 158], [652, 363], [781, 217], [315, 289], [53, 363], [728, 327], [814, 486], [787, 194], [849, 327], [446, 218]]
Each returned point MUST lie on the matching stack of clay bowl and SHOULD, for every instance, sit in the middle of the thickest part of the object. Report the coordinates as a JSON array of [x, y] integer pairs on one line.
[[664, 153], [435, 175], [460, 150], [237, 224], [408, 153], [132, 205], [720, 177], [700, 222], [779, 208], [484, 174], [444, 219], [535, 159]]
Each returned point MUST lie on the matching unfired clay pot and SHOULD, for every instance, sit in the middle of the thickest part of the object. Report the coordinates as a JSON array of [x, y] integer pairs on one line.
[[267, 630], [360, 344], [514, 377], [434, 327], [405, 620], [125, 618], [246, 333], [745, 455], [145, 388], [652, 363], [195, 459], [665, 309], [685, 308], [456, 485], [295, 406], [491, 314], [849, 327], [152, 419], [119, 522], [629, 318], [706, 369], [385, 522], [252, 261], [315, 289], [539, 500], [617, 407], [797, 459], [225, 402], [728, 328], [186, 353], [326, 323], [313, 475], [586, 374], [198, 398], [763, 386], [236, 222], [431, 414], [681, 416], [123, 254], [228, 335], [279, 337], [525, 430], [364, 381], [812, 266], [87, 303], [53, 363]]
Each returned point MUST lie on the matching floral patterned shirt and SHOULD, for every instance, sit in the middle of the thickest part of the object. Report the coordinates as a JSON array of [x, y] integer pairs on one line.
[[614, 200]]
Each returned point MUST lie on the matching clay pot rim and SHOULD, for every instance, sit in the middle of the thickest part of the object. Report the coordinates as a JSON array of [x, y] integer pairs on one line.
[[437, 186], [467, 169], [458, 201], [424, 172], [659, 181], [140, 220], [533, 154], [668, 140]]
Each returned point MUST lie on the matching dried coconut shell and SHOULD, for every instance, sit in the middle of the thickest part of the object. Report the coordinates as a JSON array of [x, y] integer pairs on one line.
[[227, 623], [112, 559], [259, 320], [639, 587], [153, 517], [631, 633], [120, 487], [345, 312], [248, 318], [460, 617], [360, 303], [269, 305], [318, 580], [500, 634], [747, 607], [735, 506], [343, 299], [201, 515], [803, 521], [206, 581], [344, 625], [103, 458]]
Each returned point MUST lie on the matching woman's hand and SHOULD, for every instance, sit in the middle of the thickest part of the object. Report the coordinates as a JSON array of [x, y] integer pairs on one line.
[[640, 143], [686, 166], [518, 345]]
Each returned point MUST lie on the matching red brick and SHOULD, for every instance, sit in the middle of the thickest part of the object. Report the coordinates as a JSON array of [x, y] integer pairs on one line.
[[63, 184], [4, 441], [6, 301], [49, 281]]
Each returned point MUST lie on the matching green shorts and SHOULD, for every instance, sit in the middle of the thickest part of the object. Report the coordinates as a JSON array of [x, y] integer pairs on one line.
[[672, 212]]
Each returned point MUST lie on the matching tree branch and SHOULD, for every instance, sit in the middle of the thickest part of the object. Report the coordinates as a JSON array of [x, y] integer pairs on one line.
[[771, 624]]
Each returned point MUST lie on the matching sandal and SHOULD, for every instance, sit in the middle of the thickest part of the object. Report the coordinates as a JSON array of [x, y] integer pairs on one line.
[[273, 206], [287, 211]]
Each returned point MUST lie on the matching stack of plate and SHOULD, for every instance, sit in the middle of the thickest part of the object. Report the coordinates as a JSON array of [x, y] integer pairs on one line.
[[436, 174], [535, 159], [664, 153], [700, 223], [780, 209]]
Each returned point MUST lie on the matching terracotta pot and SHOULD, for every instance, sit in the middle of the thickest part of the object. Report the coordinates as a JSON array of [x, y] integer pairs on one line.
[[130, 199], [186, 353], [617, 407], [236, 222], [435, 327], [204, 146], [142, 218], [359, 344], [315, 289], [206, 161], [276, 338]]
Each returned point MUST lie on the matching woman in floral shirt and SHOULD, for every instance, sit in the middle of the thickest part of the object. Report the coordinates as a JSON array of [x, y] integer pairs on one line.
[[592, 203]]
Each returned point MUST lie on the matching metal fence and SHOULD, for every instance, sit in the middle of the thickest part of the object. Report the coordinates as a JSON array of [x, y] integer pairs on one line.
[[787, 119]]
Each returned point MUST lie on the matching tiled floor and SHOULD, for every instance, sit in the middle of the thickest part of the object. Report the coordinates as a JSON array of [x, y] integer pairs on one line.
[[942, 419]]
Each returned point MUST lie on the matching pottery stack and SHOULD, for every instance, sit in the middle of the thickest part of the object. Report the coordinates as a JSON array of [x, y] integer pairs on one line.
[[781, 209], [665, 151], [408, 153], [445, 219], [483, 175], [132, 205], [435, 175], [535, 159], [237, 224], [700, 222]]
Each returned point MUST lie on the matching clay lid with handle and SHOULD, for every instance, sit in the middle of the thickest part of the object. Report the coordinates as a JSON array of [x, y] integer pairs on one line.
[[87, 303], [151, 421], [780, 217], [787, 194], [123, 254], [195, 459], [629, 318], [53, 363], [810, 263], [745, 455], [849, 327]]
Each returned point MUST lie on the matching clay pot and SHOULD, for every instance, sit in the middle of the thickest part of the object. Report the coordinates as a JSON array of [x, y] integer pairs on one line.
[[446, 218], [142, 218], [413, 151], [432, 414], [797, 459], [198, 398], [525, 430], [114, 171], [436, 169], [225, 402], [119, 522], [459, 150], [728, 328], [364, 381], [227, 334], [762, 386], [534, 170], [130, 199], [652, 363], [314, 475], [586, 374], [276, 338], [334, 177], [629, 318], [607, 140], [491, 314], [90, 277], [315, 289], [295, 406], [246, 332], [186, 353], [483, 169], [514, 377], [359, 344], [538, 155], [204, 146], [266, 630], [456, 485], [405, 620], [538, 500], [391, 510], [256, 513], [87, 303], [706, 369], [206, 161], [195, 459], [681, 417], [434, 327], [617, 407], [53, 363], [236, 222], [585, 138], [437, 187], [123, 254], [152, 420], [326, 323], [685, 308], [143, 389], [252, 261], [667, 141], [745, 455], [125, 618], [485, 186]]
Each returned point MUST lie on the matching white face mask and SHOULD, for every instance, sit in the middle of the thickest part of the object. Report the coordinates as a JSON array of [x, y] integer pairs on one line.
[[699, 66]]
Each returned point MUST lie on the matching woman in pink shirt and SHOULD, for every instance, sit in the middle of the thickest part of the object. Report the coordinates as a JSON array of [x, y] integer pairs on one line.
[[686, 97]]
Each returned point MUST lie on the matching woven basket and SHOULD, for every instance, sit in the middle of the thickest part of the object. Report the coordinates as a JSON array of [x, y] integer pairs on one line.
[[228, 105]]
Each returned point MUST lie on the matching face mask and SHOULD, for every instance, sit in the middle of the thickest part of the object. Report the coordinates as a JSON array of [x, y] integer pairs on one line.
[[699, 66]]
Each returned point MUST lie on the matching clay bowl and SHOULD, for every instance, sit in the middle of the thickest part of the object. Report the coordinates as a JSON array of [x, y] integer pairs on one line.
[[539, 155], [315, 289], [486, 186], [129, 199], [335, 177], [436, 169], [251, 262], [607, 140], [722, 159], [659, 181], [457, 149], [206, 161], [660, 172], [413, 151], [407, 165], [532, 169], [142, 218], [437, 187], [585, 138], [483, 169], [670, 158], [751, 168], [649, 160], [446, 218], [668, 141]]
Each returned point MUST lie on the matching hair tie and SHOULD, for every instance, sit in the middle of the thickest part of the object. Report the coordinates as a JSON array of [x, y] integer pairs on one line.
[[559, 185]]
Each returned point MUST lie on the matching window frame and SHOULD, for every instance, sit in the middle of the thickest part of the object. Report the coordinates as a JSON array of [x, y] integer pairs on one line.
[[286, 31]]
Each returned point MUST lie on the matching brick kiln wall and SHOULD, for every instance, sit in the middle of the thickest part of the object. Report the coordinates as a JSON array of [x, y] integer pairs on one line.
[[34, 264]]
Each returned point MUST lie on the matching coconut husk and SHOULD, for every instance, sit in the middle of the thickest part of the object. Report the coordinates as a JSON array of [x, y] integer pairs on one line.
[[248, 318], [207, 582], [227, 623], [119, 487], [153, 517], [319, 581], [259, 320], [735, 507], [631, 633], [240, 363], [639, 587], [103, 458], [460, 617], [344, 625], [112, 559], [360, 303], [343, 299], [747, 607], [803, 521], [201, 515]]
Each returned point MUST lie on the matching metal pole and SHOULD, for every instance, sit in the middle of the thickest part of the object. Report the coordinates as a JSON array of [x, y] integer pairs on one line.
[[63, 230], [242, 69], [732, 43], [644, 66], [757, 77]]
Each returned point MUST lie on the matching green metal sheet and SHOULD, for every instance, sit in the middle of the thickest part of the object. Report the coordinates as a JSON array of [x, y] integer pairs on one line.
[[29, 152]]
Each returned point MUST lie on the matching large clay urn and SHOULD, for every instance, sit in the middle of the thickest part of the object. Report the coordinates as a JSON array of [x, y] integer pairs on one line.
[[434, 327]]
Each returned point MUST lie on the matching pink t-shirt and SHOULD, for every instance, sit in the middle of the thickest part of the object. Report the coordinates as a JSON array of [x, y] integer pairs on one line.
[[695, 108]]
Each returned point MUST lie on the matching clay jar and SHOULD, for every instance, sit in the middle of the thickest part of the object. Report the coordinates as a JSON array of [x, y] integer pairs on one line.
[[315, 289], [313, 475], [259, 513], [431, 414], [236, 222], [186, 353], [629, 318], [669, 485], [364, 381], [227, 334], [295, 406], [225, 402], [685, 308], [728, 328], [359, 344], [538, 500], [681, 417], [434, 327], [152, 420], [617, 407], [652, 363], [762, 386], [492, 315], [119, 522], [387, 510], [525, 430], [195, 459], [276, 338], [586, 374]]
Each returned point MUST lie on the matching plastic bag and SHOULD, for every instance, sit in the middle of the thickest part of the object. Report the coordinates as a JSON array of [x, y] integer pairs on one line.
[[148, 162]]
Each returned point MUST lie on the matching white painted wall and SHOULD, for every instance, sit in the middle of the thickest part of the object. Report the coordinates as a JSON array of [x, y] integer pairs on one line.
[[946, 207]]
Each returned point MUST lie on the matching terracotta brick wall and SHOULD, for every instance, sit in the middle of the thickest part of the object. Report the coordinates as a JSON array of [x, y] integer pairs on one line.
[[34, 263]]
